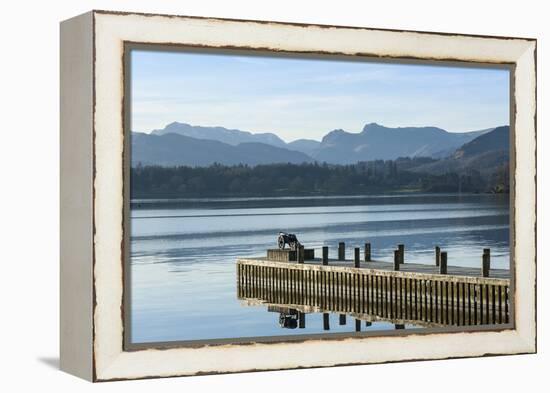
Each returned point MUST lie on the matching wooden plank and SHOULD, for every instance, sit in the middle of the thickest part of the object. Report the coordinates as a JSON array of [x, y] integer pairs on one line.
[[500, 307], [387, 297], [341, 251], [455, 296], [493, 304], [411, 298], [401, 249], [417, 314], [487, 305], [439, 302], [448, 312], [376, 286], [477, 319], [422, 299], [295, 286], [482, 315], [506, 308], [470, 297], [390, 299], [460, 305], [258, 282], [367, 252], [340, 299], [401, 298], [325, 256], [364, 293]]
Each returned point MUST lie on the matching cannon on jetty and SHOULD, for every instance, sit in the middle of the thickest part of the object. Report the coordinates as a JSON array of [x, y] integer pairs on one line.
[[287, 238]]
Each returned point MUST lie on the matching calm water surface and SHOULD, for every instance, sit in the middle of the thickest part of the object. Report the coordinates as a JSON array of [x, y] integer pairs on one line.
[[183, 252]]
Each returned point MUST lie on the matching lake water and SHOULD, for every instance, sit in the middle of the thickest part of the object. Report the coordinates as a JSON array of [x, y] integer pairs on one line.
[[183, 252]]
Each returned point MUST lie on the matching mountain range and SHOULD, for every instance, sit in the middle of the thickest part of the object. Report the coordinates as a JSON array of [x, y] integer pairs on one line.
[[184, 144], [180, 150]]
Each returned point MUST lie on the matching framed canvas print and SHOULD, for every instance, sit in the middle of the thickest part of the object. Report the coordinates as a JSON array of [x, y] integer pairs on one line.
[[248, 195]]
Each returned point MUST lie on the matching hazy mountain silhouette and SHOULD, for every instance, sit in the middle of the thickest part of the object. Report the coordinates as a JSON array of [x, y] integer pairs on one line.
[[384, 143], [484, 154], [221, 134], [183, 144], [307, 146], [173, 150], [497, 139]]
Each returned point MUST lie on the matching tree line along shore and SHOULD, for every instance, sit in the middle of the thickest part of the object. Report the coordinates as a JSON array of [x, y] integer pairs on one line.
[[400, 175]]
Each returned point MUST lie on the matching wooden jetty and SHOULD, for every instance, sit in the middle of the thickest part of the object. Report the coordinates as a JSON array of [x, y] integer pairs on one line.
[[399, 292]]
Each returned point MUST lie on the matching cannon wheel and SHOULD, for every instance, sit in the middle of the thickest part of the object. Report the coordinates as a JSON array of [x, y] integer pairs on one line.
[[281, 242]]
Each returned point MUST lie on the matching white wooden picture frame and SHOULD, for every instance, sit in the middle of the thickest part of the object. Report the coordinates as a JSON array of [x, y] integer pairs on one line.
[[92, 194]]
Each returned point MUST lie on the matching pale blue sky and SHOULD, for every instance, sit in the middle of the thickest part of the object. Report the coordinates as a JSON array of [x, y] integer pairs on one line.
[[306, 98]]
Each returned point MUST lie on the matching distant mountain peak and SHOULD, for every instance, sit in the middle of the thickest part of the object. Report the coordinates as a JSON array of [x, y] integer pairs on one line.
[[176, 123], [333, 134], [372, 125], [172, 126], [380, 127], [221, 134]]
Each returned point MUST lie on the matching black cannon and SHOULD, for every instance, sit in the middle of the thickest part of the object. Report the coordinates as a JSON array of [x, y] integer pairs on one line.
[[287, 238]]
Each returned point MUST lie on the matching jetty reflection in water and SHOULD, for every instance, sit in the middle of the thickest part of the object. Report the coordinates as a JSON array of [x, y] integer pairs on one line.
[[292, 318]]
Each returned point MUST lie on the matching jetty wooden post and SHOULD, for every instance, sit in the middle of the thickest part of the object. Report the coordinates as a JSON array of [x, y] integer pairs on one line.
[[396, 260], [356, 258], [341, 251], [325, 255], [326, 325], [443, 262], [342, 319], [401, 248], [486, 262], [367, 252], [437, 255], [300, 253]]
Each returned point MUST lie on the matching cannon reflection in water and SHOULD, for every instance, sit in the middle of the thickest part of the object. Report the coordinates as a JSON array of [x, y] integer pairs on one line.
[[289, 318]]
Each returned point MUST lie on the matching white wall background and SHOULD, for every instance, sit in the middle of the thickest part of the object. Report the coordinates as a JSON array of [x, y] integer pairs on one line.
[[29, 184]]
